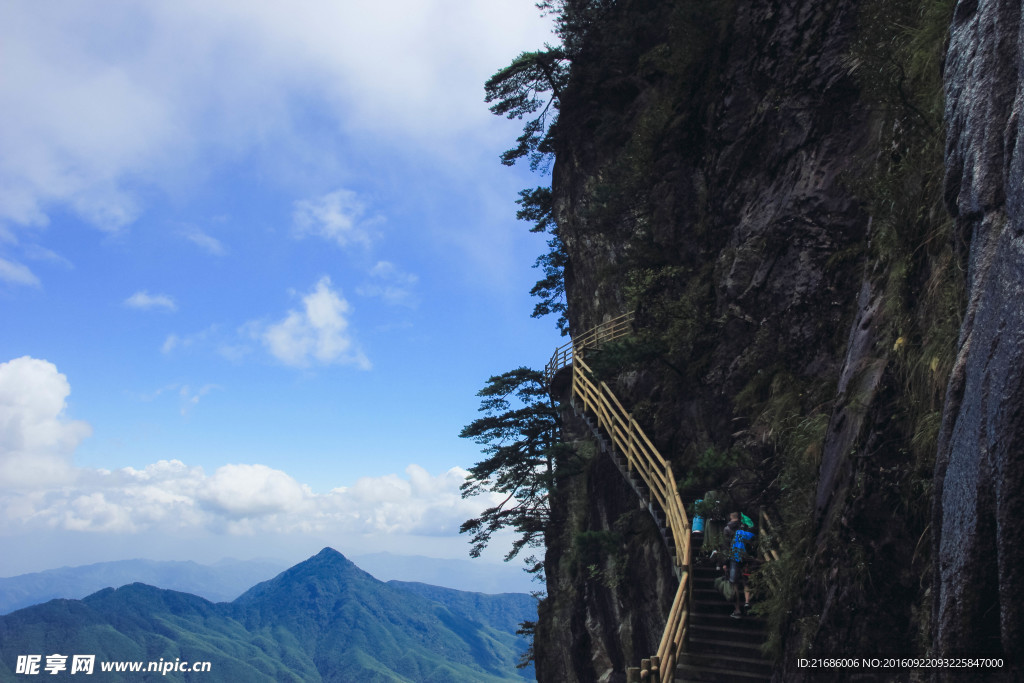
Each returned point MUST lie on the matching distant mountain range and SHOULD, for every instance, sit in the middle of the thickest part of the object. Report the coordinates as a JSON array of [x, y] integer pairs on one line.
[[219, 582], [321, 620], [228, 579], [465, 575]]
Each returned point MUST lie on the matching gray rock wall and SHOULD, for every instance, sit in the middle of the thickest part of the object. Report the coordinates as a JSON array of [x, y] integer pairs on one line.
[[606, 606], [979, 503], [741, 170], [734, 163]]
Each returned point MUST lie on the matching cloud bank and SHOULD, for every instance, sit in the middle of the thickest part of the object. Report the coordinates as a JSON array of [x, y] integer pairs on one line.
[[241, 500], [101, 108], [41, 489]]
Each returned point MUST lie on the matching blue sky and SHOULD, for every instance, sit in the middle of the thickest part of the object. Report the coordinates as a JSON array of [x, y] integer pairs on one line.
[[256, 259]]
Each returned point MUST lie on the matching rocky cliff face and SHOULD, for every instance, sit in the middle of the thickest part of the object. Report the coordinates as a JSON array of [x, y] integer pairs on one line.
[[979, 564], [607, 574], [762, 182]]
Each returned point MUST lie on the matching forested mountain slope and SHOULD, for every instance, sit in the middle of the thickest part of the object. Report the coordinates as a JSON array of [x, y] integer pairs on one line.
[[321, 620]]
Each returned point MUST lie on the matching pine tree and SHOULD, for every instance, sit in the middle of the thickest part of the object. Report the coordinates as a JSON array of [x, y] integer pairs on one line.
[[531, 84], [519, 433], [537, 208]]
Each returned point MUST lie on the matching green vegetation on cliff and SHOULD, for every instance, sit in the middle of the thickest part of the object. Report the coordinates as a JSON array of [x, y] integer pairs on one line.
[[762, 184], [876, 526]]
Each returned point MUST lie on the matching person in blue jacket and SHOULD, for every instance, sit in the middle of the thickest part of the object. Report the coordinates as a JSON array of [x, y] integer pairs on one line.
[[739, 552]]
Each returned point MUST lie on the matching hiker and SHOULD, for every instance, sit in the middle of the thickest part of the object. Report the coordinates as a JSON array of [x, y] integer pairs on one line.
[[725, 553], [741, 536], [720, 557]]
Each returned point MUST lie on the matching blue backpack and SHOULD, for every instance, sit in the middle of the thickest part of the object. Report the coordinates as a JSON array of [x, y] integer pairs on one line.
[[739, 544]]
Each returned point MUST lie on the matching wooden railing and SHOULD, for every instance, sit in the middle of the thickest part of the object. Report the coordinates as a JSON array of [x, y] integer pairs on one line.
[[641, 455], [644, 458], [603, 333]]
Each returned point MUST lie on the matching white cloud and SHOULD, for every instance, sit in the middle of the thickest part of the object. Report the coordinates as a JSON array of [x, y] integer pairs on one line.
[[145, 301], [390, 284], [176, 341], [243, 499], [41, 489], [38, 253], [337, 216], [93, 512], [319, 332], [190, 398], [316, 333], [209, 244], [76, 123], [247, 491], [100, 102], [422, 503], [17, 274], [172, 342], [36, 439]]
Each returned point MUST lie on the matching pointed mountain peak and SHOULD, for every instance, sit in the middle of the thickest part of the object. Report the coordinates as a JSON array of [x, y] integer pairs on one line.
[[326, 562], [327, 572], [329, 554], [328, 559]]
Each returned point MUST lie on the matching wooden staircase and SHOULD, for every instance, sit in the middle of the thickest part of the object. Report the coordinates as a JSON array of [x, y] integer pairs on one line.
[[721, 648]]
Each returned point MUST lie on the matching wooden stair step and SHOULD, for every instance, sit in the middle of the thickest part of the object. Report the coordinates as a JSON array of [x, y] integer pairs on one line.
[[753, 638], [686, 673], [725, 642], [731, 662], [723, 620]]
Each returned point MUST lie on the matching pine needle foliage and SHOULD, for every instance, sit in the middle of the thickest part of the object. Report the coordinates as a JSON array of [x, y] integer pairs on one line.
[[530, 87], [518, 432], [537, 208]]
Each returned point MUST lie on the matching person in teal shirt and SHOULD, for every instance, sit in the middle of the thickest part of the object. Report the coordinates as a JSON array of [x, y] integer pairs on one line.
[[738, 556]]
